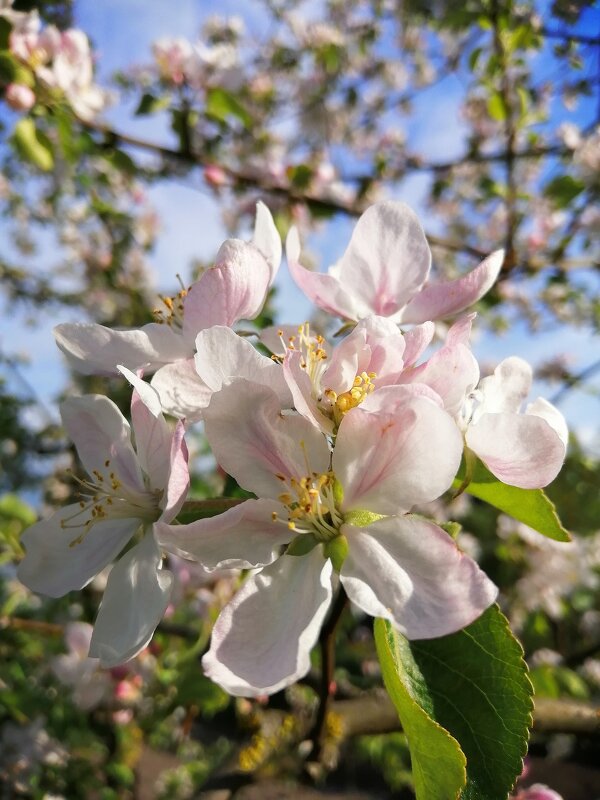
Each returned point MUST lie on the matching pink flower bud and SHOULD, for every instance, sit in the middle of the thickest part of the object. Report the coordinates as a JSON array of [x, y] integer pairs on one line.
[[19, 97], [215, 175]]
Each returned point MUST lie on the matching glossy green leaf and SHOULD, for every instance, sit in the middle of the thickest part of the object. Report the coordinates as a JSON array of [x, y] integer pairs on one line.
[[149, 104], [474, 683], [221, 105], [530, 506], [439, 765], [33, 145]]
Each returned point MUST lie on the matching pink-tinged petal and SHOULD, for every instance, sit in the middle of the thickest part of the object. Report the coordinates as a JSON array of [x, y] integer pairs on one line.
[[95, 350], [384, 350], [460, 332], [388, 399], [520, 449], [301, 390], [136, 597], [244, 537], [267, 239], [325, 291], [235, 288], [416, 341], [262, 639], [542, 408], [441, 300], [53, 567], [506, 389], [388, 258], [182, 393], [152, 434], [178, 483], [410, 572], [77, 638], [452, 372], [389, 462], [254, 442], [343, 364], [222, 355], [101, 433], [146, 393]]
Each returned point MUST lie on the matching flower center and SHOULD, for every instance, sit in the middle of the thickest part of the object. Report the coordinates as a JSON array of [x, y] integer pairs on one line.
[[311, 506], [340, 404], [172, 313], [107, 497], [314, 356]]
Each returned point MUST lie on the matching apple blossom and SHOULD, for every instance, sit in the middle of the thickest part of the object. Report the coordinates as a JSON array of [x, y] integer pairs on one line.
[[354, 501], [19, 97], [234, 288], [385, 269], [126, 492]]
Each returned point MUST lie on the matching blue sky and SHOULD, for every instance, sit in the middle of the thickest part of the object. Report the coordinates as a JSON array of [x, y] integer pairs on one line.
[[123, 31]]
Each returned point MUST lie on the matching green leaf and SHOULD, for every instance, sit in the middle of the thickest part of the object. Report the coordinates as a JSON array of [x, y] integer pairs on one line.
[[33, 145], [474, 58], [149, 104], [564, 189], [221, 105], [8, 67], [5, 29], [474, 683], [439, 765], [497, 107], [530, 506], [201, 509]]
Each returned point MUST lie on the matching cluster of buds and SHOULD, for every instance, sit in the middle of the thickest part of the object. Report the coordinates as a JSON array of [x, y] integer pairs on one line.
[[337, 445]]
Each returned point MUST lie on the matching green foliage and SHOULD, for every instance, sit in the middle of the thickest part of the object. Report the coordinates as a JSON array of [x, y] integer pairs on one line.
[[33, 145], [473, 684], [530, 506], [438, 763], [563, 189], [150, 104], [221, 105]]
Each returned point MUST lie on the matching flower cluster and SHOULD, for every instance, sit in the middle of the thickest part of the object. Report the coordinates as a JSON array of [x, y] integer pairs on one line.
[[61, 61], [337, 445]]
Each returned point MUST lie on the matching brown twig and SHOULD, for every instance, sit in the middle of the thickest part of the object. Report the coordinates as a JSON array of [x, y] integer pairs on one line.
[[327, 647]]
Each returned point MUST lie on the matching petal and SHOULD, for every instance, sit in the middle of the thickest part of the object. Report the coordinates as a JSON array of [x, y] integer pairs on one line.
[[506, 389], [235, 288], [101, 433], [244, 537], [182, 393], [152, 434], [520, 449], [388, 258], [53, 567], [416, 341], [95, 350], [410, 572], [178, 483], [389, 462], [254, 442], [223, 355], [262, 639], [542, 408], [325, 291], [384, 349], [136, 596], [452, 372], [441, 300], [267, 239], [301, 389]]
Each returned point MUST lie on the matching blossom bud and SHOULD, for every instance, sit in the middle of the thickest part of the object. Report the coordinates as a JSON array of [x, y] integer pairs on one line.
[[19, 97]]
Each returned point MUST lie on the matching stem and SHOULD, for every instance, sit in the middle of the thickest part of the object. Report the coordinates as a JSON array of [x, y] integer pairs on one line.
[[327, 646]]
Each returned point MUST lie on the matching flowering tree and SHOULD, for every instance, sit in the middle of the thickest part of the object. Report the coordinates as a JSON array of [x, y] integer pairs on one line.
[[328, 458]]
